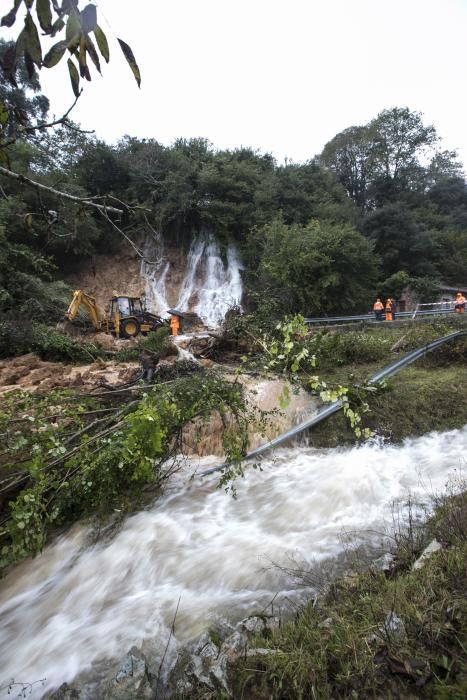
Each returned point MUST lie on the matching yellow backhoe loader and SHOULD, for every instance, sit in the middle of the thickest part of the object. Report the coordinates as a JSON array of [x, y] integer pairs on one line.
[[128, 315]]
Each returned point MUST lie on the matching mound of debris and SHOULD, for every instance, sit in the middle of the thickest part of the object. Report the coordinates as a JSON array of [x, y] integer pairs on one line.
[[30, 373]]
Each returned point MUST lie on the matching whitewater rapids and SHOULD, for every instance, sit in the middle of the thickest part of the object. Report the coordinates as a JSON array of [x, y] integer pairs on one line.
[[74, 607]]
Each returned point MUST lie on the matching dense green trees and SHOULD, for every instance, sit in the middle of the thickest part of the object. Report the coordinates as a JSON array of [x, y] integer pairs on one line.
[[392, 156], [319, 268], [383, 192], [380, 206], [402, 242], [410, 194]]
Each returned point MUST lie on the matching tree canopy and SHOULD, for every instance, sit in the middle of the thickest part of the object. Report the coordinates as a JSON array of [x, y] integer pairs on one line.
[[393, 155], [319, 268], [381, 205]]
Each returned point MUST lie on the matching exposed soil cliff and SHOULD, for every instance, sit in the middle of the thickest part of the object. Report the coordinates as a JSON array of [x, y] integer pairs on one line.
[[103, 275]]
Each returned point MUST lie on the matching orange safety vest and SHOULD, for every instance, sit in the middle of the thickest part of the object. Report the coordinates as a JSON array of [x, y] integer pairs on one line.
[[459, 304], [378, 306], [174, 324], [389, 310]]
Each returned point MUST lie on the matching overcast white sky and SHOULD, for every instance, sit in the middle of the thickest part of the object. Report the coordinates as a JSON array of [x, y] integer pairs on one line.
[[283, 77]]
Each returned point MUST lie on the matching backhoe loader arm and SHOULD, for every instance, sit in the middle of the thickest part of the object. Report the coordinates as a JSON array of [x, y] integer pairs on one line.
[[80, 297]]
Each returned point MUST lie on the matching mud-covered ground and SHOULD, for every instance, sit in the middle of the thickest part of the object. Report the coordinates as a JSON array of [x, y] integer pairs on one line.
[[30, 373]]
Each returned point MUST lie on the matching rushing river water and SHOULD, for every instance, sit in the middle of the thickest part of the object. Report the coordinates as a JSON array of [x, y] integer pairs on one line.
[[75, 606]]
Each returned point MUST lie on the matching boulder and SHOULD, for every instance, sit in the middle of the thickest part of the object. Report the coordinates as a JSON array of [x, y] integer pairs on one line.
[[202, 660], [131, 680], [65, 692], [257, 624], [191, 322], [434, 546], [235, 645]]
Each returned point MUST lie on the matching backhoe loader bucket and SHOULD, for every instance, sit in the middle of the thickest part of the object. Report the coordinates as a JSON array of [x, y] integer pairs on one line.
[[66, 326]]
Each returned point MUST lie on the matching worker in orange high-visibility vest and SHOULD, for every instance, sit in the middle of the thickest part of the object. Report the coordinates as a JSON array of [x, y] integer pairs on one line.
[[174, 324], [459, 304], [378, 308], [388, 308]]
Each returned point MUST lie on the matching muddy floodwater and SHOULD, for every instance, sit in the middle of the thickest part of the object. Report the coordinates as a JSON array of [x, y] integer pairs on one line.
[[75, 606]]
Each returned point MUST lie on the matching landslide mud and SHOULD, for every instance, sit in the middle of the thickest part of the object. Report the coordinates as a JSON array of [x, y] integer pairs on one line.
[[30, 373]]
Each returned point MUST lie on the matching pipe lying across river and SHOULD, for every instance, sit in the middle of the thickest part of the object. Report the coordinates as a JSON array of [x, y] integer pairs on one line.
[[332, 408]]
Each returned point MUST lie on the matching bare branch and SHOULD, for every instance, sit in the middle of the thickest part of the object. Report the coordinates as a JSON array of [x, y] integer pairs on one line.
[[47, 125], [84, 201], [137, 250]]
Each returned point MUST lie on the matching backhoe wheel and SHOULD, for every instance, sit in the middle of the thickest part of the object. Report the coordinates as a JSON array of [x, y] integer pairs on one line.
[[129, 328]]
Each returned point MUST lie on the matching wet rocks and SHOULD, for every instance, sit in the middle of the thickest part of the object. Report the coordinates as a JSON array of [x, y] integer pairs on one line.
[[207, 665], [258, 624], [209, 662], [384, 563], [192, 323], [132, 679], [65, 692]]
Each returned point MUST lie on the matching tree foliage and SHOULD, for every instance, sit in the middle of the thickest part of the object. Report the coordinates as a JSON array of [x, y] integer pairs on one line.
[[394, 154], [319, 268], [74, 456], [79, 36], [383, 192]]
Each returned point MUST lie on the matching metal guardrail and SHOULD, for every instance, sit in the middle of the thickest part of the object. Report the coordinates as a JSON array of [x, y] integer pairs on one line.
[[321, 320], [332, 408]]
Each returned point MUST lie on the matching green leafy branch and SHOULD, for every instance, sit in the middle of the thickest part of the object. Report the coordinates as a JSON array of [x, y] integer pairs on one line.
[[67, 456], [75, 26], [288, 353]]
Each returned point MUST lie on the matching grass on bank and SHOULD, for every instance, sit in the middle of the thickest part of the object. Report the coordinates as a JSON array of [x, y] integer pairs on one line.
[[420, 399], [395, 634], [430, 394]]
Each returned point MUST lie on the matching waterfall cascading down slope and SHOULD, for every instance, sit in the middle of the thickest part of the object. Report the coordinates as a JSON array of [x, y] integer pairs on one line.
[[155, 275], [222, 286], [190, 283], [209, 286], [74, 607]]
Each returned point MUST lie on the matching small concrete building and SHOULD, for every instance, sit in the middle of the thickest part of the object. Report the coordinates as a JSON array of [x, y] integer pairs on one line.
[[446, 295]]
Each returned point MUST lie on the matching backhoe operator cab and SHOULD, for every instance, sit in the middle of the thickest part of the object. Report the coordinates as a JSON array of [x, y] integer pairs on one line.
[[127, 316]]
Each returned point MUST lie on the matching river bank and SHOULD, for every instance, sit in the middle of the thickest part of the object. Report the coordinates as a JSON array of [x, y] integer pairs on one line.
[[395, 629], [199, 556], [421, 398], [156, 584]]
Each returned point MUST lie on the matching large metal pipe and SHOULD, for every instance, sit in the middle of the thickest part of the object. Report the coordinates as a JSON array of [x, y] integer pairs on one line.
[[332, 408]]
